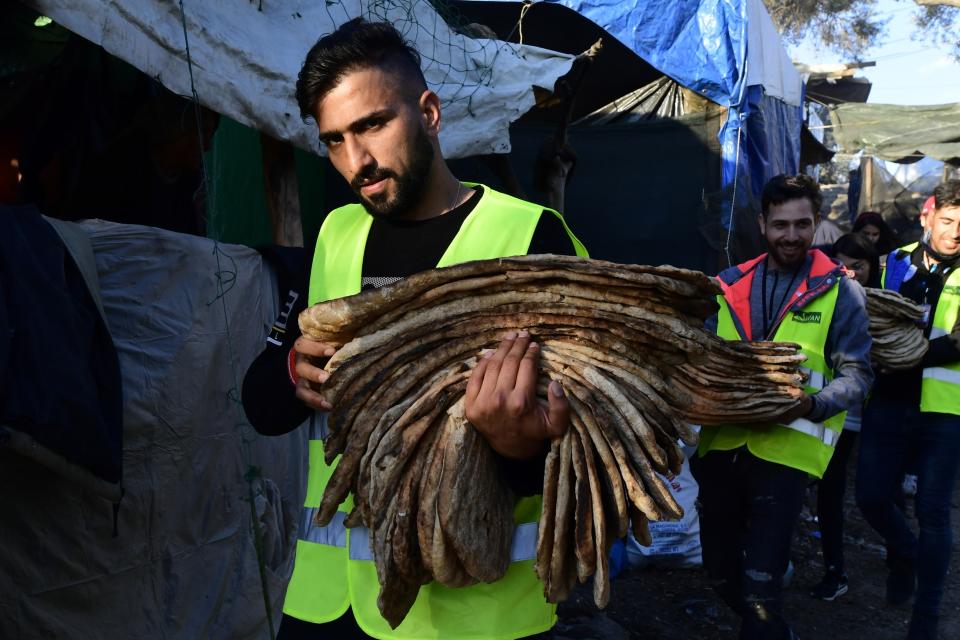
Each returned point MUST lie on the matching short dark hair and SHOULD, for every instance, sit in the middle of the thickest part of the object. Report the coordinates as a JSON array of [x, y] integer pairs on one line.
[[784, 188], [355, 45], [947, 194]]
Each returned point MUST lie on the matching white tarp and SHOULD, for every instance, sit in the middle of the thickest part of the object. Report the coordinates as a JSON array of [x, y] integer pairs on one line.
[[246, 55], [182, 564], [768, 63]]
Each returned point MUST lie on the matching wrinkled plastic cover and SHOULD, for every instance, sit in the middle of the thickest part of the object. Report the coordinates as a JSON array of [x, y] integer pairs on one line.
[[246, 56], [899, 132], [714, 47], [187, 317]]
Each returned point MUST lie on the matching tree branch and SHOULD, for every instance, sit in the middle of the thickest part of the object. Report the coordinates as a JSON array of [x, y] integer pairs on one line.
[[946, 3]]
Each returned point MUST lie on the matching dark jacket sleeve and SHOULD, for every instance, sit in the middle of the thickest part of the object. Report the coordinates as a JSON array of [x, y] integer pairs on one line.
[[943, 350], [268, 394], [848, 351]]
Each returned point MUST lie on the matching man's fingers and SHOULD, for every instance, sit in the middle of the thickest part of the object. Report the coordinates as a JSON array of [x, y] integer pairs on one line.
[[529, 371], [476, 379], [309, 347], [492, 372], [311, 398], [507, 378], [558, 410], [306, 370]]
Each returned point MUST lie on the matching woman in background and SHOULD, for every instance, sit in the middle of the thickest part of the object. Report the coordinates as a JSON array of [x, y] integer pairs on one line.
[[871, 225]]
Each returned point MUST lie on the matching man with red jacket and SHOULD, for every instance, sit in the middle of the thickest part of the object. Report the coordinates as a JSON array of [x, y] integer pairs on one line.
[[752, 477]]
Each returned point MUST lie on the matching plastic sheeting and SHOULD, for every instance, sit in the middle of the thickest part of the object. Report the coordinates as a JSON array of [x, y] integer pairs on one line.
[[187, 317], [246, 57], [899, 132], [730, 52]]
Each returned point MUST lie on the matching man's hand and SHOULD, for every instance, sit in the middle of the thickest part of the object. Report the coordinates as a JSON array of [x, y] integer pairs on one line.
[[310, 376], [799, 411], [501, 400]]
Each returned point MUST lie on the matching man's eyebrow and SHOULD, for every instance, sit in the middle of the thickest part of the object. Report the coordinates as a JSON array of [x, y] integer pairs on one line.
[[359, 123]]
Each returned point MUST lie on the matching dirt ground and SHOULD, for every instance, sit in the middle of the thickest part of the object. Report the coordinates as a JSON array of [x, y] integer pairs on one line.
[[678, 604]]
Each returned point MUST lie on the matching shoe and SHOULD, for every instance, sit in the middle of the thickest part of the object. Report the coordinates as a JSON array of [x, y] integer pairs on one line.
[[833, 585], [909, 485], [922, 627], [902, 579]]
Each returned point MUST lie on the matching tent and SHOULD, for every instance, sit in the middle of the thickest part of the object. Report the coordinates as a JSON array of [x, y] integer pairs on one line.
[[900, 133], [242, 59], [726, 52], [200, 545]]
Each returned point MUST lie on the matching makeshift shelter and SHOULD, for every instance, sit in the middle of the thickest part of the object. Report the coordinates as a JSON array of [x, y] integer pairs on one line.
[[199, 543], [900, 133], [242, 59], [664, 189], [906, 150]]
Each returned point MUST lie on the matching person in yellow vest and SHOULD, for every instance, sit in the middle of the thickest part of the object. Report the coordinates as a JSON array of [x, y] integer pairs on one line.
[[752, 477], [379, 122], [918, 411]]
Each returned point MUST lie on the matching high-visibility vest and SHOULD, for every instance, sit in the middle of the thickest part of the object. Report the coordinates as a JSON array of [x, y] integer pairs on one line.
[[940, 389], [334, 567], [802, 444]]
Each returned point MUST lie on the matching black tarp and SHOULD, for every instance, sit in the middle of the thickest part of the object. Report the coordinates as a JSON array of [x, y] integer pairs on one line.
[[59, 373]]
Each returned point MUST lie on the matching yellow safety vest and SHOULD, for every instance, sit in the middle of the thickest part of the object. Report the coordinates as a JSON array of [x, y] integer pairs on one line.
[[802, 444], [334, 567], [940, 389]]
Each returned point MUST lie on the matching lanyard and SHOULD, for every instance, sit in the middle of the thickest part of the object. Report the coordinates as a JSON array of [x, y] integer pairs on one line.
[[770, 317]]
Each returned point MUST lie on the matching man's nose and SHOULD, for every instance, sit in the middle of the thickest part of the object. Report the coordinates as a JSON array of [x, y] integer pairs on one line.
[[358, 156]]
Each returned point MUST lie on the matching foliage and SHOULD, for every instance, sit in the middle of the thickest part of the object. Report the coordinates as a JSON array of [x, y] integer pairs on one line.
[[850, 27]]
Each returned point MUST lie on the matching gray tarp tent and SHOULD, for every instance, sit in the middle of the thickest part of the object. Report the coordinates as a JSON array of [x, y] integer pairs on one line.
[[187, 317], [899, 132]]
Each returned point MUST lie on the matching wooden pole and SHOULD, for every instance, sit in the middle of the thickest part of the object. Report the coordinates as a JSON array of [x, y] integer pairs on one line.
[[866, 184], [282, 190]]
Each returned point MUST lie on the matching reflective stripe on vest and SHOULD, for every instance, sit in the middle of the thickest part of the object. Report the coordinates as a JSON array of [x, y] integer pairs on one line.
[[816, 430], [815, 379], [940, 387], [802, 444], [514, 606], [523, 547]]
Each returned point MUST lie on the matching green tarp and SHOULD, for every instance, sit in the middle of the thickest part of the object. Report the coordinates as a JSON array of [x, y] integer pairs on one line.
[[897, 132]]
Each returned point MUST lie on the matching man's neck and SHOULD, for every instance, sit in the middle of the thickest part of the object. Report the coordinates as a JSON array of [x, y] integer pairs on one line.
[[443, 193]]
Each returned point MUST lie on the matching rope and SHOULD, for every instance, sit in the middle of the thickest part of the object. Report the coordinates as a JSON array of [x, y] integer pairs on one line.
[[733, 195], [226, 278]]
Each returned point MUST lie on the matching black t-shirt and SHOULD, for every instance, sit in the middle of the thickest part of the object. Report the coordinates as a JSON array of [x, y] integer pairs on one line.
[[425, 241], [269, 398]]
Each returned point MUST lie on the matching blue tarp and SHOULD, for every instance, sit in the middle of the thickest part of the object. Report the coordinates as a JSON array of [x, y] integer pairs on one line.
[[704, 45]]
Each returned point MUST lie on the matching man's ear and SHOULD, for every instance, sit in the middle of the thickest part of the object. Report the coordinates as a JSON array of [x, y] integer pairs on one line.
[[763, 224], [430, 112], [816, 220]]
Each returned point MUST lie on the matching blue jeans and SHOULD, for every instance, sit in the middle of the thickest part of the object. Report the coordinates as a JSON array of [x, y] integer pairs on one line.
[[748, 509], [890, 430]]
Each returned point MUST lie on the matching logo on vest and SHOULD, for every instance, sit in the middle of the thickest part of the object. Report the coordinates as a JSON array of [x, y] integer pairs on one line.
[[807, 317]]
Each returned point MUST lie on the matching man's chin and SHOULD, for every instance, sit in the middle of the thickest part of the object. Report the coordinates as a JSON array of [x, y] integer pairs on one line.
[[791, 260]]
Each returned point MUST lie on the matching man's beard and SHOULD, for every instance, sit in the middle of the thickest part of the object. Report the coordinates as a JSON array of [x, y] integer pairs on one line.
[[410, 187], [785, 262]]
